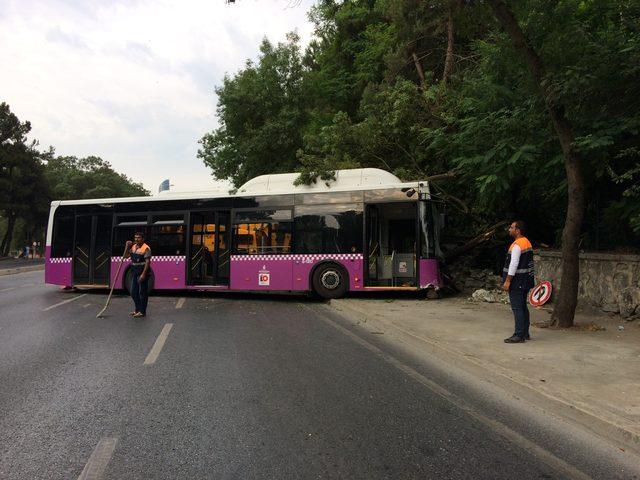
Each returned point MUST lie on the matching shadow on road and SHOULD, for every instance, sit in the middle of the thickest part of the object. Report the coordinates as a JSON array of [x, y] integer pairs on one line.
[[260, 296]]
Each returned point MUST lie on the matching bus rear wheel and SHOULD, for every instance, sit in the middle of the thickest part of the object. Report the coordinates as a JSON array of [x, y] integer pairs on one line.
[[330, 281], [128, 278]]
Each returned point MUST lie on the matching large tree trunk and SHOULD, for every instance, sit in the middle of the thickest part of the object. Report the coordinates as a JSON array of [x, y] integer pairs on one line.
[[567, 299], [8, 236]]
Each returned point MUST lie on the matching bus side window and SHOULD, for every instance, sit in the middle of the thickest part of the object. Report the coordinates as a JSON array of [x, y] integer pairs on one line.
[[63, 227], [262, 238]]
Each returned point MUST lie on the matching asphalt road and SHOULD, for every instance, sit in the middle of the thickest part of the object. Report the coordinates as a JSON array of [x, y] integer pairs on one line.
[[243, 387]]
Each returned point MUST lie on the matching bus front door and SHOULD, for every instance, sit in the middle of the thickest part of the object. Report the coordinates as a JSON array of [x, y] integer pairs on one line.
[[92, 250], [209, 248], [391, 232]]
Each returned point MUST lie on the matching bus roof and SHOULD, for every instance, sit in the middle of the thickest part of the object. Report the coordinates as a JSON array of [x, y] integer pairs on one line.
[[277, 184]]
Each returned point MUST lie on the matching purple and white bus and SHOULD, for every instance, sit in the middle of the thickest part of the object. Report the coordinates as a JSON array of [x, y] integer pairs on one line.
[[366, 230]]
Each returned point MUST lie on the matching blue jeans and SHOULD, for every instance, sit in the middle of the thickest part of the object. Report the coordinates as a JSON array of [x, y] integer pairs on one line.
[[518, 299], [139, 293]]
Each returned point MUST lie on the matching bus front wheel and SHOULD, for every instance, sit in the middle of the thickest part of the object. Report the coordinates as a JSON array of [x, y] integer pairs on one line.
[[330, 281], [128, 278]]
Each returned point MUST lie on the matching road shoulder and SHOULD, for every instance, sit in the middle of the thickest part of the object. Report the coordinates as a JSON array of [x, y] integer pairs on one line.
[[10, 266], [589, 378], [12, 271]]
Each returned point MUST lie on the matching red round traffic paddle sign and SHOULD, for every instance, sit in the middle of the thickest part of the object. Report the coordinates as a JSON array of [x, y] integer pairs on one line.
[[540, 294]]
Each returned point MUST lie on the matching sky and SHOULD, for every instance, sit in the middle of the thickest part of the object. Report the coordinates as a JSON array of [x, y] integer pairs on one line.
[[133, 81]]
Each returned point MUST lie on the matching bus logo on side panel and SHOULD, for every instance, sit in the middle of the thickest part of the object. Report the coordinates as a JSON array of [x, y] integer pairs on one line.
[[264, 278]]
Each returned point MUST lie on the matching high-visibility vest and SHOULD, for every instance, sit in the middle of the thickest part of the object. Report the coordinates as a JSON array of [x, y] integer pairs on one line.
[[524, 277], [137, 257]]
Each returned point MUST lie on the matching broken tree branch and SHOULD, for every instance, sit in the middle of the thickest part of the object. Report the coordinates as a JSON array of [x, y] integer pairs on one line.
[[475, 241], [448, 60], [461, 205], [439, 176], [419, 69]]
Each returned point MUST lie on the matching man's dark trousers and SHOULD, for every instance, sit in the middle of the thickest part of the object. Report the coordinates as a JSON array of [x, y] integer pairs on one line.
[[518, 299], [139, 293]]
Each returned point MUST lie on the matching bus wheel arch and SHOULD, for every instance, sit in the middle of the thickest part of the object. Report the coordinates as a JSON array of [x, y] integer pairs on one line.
[[329, 279]]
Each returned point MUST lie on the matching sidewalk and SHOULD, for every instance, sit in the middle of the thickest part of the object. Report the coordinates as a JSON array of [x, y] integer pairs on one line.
[[9, 266], [595, 374]]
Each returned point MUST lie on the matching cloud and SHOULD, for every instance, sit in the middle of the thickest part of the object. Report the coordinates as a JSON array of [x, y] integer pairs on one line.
[[132, 82], [67, 39]]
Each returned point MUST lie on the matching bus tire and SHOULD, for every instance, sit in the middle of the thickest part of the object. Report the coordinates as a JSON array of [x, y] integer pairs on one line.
[[433, 294], [330, 280], [128, 277]]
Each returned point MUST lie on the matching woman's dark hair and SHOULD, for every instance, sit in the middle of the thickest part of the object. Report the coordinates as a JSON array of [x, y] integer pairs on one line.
[[139, 233]]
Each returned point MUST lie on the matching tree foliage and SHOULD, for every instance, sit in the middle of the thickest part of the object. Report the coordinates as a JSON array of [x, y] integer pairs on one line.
[[371, 93], [30, 179], [262, 114], [90, 177], [21, 175]]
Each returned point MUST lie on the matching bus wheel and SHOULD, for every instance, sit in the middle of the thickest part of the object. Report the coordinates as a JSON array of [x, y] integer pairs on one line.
[[330, 280], [127, 281], [129, 277], [433, 294]]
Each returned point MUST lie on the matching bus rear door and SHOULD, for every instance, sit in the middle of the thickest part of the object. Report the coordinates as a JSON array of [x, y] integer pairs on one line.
[[92, 250]]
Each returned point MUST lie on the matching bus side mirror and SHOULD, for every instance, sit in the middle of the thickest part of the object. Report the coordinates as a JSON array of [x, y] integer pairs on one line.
[[442, 218]]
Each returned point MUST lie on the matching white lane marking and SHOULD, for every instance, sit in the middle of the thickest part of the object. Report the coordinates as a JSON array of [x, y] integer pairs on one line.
[[27, 285], [567, 470], [8, 289], [180, 302], [66, 301], [86, 305], [157, 347], [99, 459]]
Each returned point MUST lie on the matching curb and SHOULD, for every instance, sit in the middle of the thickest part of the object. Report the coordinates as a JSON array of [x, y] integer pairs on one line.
[[590, 421], [11, 271]]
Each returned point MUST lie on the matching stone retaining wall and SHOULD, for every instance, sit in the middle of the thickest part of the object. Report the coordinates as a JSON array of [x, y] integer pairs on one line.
[[610, 282]]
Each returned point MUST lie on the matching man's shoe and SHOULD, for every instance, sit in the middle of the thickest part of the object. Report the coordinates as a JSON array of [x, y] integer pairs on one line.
[[514, 339]]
